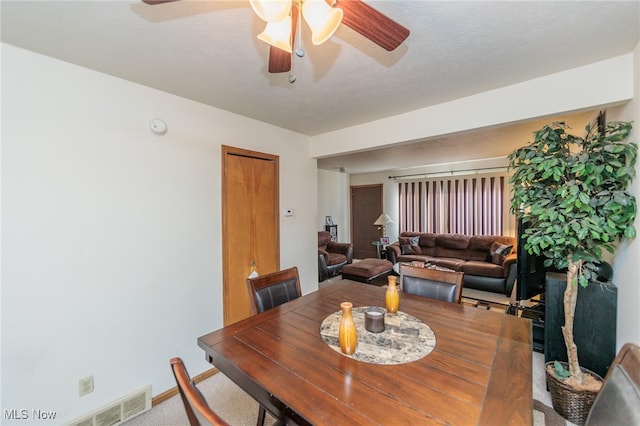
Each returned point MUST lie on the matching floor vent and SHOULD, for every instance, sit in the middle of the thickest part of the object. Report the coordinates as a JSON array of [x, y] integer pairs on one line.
[[118, 411]]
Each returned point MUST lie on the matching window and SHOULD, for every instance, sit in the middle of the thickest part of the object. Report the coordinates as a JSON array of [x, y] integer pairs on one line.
[[472, 205]]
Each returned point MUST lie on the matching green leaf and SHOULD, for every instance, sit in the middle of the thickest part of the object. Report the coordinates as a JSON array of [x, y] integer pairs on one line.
[[559, 370], [582, 280], [572, 192], [629, 232], [584, 198]]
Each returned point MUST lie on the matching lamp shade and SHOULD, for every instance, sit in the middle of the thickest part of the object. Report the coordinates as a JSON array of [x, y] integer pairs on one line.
[[383, 219], [278, 34], [323, 19], [271, 10]]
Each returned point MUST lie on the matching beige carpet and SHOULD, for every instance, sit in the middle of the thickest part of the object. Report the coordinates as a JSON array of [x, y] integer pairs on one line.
[[223, 396]]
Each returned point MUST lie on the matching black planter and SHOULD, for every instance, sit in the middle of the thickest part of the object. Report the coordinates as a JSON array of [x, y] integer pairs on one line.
[[594, 325]]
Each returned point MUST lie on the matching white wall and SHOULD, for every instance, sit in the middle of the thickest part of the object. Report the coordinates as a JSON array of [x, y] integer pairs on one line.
[[111, 241], [625, 263], [333, 200]]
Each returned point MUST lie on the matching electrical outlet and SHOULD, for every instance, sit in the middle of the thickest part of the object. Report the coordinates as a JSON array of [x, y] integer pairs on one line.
[[85, 386]]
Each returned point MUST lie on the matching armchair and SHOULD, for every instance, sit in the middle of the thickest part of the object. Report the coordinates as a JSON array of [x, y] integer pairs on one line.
[[332, 256]]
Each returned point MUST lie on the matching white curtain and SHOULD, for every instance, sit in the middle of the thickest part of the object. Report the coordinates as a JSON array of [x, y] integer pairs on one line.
[[464, 205]]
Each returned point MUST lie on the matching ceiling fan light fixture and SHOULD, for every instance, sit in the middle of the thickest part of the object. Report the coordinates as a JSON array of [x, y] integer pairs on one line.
[[323, 19], [271, 10], [278, 34]]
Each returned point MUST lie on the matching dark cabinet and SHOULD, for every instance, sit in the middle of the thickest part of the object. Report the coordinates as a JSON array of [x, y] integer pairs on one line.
[[594, 326]]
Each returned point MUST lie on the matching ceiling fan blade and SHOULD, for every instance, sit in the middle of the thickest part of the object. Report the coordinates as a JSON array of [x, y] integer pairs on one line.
[[375, 26], [280, 60]]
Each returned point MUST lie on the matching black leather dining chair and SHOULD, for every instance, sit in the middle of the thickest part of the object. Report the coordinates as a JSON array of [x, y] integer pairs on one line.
[[198, 411], [270, 290], [433, 283]]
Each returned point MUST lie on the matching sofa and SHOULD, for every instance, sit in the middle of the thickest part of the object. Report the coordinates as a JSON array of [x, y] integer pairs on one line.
[[332, 256], [488, 261]]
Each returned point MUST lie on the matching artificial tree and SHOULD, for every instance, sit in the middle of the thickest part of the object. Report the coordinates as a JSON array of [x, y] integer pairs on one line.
[[571, 192]]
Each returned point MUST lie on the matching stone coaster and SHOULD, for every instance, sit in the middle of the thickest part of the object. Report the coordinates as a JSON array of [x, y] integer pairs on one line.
[[405, 338]]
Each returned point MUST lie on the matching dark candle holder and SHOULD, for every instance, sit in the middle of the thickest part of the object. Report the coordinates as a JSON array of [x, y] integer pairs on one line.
[[374, 319]]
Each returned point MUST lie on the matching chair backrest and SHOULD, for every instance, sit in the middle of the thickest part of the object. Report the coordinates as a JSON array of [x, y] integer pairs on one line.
[[432, 283], [324, 237], [195, 405], [270, 290], [618, 402]]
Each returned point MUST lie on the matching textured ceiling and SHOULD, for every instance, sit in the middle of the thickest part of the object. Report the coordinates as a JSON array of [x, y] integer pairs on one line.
[[207, 51]]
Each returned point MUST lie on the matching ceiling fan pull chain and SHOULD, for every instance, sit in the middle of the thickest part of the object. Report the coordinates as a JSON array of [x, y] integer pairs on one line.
[[300, 48], [292, 77]]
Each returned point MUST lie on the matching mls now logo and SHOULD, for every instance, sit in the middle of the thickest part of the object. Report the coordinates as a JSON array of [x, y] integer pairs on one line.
[[15, 414], [22, 414]]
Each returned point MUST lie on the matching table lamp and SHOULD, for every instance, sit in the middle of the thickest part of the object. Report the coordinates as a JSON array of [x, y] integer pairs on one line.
[[381, 223]]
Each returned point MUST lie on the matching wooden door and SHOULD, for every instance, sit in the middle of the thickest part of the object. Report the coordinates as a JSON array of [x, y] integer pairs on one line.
[[250, 225], [366, 206]]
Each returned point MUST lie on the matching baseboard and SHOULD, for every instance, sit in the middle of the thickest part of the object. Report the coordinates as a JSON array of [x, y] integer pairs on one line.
[[169, 393]]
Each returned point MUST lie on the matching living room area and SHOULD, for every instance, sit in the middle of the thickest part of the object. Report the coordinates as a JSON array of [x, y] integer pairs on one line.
[[393, 234]]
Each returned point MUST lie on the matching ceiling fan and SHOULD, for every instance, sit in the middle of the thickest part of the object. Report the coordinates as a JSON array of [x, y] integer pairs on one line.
[[357, 15]]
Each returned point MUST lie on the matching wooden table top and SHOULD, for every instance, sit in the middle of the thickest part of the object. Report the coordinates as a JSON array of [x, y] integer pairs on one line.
[[479, 372]]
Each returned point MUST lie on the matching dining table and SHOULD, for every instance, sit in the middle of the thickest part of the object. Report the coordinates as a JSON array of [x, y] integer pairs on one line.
[[435, 362]]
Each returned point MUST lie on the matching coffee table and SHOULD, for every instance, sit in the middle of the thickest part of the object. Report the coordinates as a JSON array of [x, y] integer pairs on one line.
[[396, 267]]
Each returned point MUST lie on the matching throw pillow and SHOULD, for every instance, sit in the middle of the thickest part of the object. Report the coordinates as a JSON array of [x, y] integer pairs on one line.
[[498, 252], [410, 245]]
